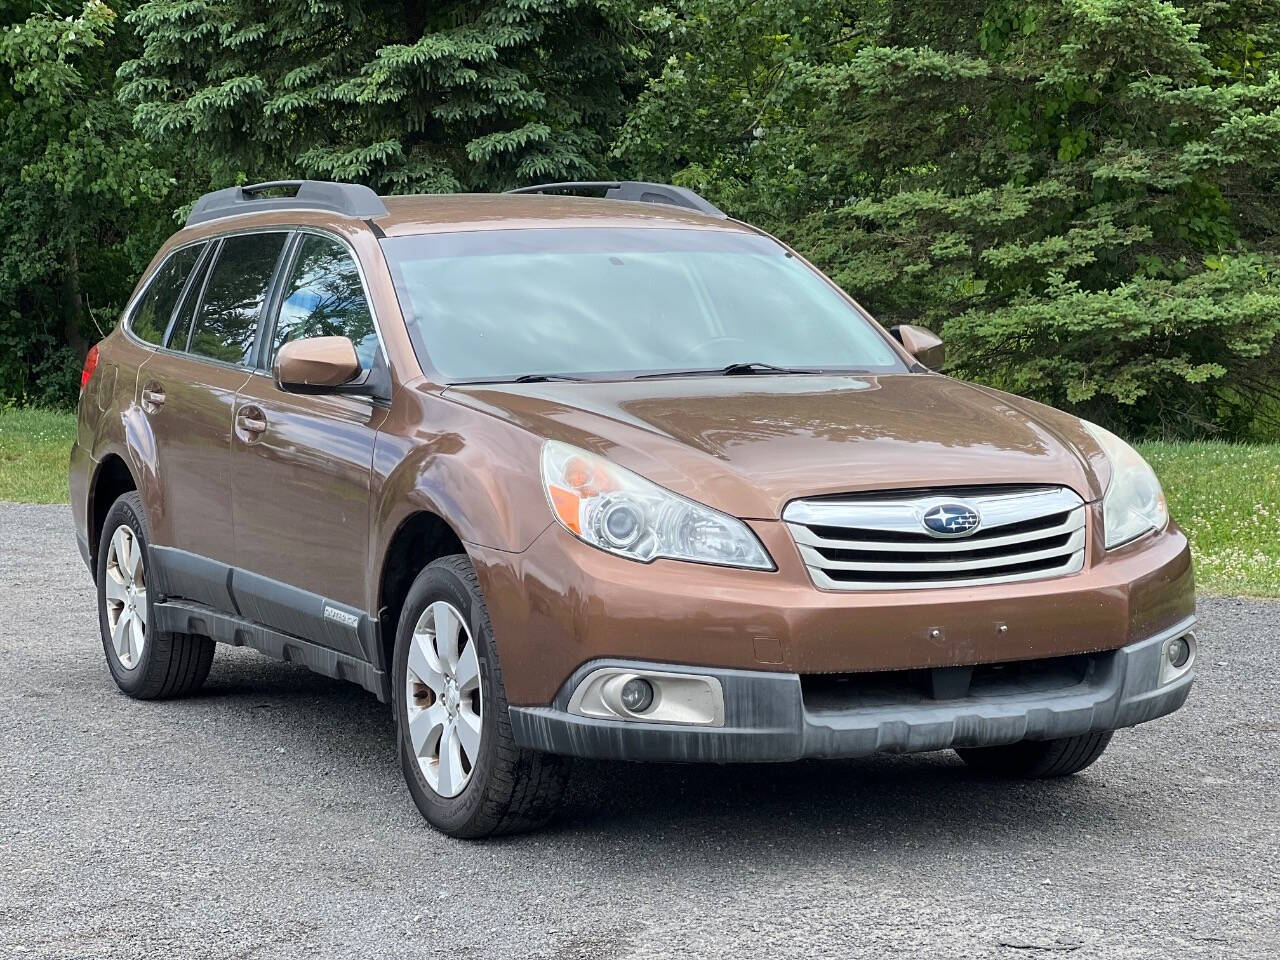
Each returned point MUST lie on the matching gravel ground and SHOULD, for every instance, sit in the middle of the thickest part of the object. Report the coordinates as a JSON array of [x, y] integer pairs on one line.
[[267, 818]]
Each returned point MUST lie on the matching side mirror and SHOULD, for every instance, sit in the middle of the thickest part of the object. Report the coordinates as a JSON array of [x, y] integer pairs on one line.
[[924, 345], [316, 364]]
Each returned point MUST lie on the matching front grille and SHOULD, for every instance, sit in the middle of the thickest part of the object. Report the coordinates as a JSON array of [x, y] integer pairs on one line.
[[879, 541]]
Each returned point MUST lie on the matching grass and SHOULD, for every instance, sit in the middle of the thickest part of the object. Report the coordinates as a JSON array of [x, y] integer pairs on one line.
[[34, 448], [1225, 496]]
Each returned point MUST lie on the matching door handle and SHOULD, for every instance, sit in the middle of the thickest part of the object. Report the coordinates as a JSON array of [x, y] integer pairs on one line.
[[153, 397], [251, 421]]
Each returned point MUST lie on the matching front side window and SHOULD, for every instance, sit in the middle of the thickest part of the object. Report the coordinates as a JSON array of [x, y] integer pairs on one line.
[[323, 297], [154, 310], [233, 297], [610, 302]]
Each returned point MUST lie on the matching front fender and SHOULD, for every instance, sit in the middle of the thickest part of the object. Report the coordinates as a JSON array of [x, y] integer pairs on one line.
[[478, 474]]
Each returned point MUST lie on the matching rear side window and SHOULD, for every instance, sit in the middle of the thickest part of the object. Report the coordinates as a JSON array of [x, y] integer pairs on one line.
[[233, 296], [181, 332], [323, 297], [151, 318]]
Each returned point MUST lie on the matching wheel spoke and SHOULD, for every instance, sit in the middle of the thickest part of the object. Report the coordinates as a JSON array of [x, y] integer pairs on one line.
[[468, 672], [423, 727], [422, 663], [119, 551], [452, 776], [468, 727], [124, 547], [140, 605], [120, 635], [447, 628], [137, 637], [116, 589], [133, 563]]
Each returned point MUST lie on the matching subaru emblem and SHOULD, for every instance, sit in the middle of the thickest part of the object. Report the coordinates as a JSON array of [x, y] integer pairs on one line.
[[951, 520]]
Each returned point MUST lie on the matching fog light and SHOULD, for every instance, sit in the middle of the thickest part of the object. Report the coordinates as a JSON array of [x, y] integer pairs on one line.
[[637, 695], [1177, 657]]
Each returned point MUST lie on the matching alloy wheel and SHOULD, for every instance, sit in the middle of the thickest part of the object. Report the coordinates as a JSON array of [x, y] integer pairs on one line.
[[443, 699], [126, 589]]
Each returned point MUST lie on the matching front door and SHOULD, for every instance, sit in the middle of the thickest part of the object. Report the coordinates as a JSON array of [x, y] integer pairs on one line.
[[301, 465]]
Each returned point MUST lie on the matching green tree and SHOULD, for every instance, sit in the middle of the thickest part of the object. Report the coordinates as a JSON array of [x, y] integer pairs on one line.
[[82, 198], [405, 96], [1081, 194]]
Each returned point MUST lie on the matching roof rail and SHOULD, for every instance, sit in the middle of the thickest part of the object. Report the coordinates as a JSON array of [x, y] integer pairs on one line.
[[636, 190], [348, 199]]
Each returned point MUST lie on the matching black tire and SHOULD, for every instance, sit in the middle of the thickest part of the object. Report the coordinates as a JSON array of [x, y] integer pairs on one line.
[[1038, 759], [510, 789], [169, 664]]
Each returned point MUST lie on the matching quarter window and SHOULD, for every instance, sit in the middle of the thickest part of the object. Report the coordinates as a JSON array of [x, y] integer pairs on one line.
[[233, 297], [186, 311], [151, 318], [324, 298]]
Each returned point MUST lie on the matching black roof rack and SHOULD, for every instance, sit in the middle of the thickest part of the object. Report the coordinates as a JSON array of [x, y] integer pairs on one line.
[[348, 199], [636, 190]]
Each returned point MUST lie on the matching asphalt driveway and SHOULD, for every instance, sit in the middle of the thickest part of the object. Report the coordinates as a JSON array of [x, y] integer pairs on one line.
[[267, 818]]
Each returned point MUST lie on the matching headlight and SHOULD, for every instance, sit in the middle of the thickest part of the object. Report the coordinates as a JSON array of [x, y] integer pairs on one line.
[[616, 510], [1134, 502]]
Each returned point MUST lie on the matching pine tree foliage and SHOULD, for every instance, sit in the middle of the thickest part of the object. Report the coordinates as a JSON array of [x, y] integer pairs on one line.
[[405, 96], [1081, 194]]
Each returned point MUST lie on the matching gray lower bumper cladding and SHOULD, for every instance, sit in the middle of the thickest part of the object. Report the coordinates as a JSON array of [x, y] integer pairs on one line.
[[766, 717]]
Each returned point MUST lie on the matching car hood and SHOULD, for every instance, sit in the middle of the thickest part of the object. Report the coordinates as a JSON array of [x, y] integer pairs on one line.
[[748, 445]]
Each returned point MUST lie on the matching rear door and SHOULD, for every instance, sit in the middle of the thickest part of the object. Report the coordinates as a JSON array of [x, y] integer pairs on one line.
[[188, 392], [301, 463]]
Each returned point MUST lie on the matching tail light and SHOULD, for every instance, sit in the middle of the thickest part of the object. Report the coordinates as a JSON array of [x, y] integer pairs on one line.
[[90, 365]]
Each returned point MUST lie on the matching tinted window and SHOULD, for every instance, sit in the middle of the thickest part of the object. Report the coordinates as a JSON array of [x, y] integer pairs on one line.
[[181, 331], [323, 298], [609, 302], [233, 297], [151, 318]]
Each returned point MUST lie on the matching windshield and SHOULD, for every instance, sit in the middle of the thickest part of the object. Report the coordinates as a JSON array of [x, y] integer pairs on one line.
[[501, 304]]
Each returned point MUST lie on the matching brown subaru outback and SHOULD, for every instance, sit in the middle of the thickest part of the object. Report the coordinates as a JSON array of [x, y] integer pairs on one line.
[[604, 477]]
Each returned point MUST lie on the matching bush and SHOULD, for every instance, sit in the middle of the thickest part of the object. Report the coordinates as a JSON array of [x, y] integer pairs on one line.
[[83, 201]]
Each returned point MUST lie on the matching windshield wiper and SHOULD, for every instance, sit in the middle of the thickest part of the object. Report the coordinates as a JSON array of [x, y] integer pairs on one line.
[[543, 377], [747, 369], [525, 378], [732, 370]]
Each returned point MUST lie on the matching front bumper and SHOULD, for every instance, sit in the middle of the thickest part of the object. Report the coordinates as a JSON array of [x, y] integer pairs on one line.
[[767, 716], [561, 604]]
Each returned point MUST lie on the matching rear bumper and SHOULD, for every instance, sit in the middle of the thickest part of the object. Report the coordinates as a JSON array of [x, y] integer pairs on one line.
[[78, 489], [766, 716]]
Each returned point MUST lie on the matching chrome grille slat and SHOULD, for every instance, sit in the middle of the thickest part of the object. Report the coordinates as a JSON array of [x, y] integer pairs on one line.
[[806, 537], [814, 558], [879, 543]]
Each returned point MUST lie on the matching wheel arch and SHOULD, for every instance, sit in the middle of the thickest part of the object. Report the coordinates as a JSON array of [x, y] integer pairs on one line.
[[420, 538], [111, 478]]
